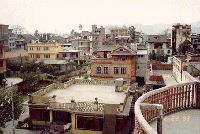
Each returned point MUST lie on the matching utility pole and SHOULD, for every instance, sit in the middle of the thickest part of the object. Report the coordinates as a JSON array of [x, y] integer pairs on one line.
[[13, 115]]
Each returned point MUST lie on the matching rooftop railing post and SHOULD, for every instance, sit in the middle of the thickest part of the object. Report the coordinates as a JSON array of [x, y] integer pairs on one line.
[[159, 119], [198, 95]]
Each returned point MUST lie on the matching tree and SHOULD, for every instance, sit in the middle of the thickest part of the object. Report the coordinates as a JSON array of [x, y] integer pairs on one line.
[[183, 47], [167, 32], [6, 107], [108, 43], [131, 32], [186, 34], [159, 54], [36, 34]]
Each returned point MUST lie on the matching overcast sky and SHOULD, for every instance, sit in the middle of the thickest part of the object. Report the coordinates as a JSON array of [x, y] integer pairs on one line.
[[60, 16]]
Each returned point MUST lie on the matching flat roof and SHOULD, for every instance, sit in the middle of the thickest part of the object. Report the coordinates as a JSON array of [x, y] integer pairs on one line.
[[69, 51], [141, 52], [57, 62], [88, 93]]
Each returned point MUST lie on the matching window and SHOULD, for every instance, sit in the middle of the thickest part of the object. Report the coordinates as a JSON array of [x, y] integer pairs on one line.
[[46, 49], [98, 70], [1, 63], [90, 123], [116, 70], [46, 56], [105, 70], [158, 46], [153, 51], [44, 115], [115, 59], [123, 70], [121, 50], [123, 59], [38, 56], [32, 56], [64, 55], [38, 48], [31, 48], [138, 67], [168, 51]]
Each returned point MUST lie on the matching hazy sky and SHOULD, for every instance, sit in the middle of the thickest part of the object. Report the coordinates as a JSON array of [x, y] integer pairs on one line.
[[63, 15]]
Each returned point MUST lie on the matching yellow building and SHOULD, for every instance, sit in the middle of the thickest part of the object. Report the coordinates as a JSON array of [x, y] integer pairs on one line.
[[43, 51]]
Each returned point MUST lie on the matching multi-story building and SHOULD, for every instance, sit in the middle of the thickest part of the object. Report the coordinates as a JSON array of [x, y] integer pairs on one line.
[[4, 29], [11, 37], [159, 42], [84, 45], [3, 44], [114, 61], [116, 32], [141, 62], [179, 35], [97, 38], [189, 62], [195, 43], [43, 51]]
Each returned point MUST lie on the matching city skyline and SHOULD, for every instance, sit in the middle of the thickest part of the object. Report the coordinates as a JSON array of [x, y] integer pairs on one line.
[[63, 16]]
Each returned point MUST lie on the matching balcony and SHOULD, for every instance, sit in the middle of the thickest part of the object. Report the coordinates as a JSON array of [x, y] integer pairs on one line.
[[165, 100]]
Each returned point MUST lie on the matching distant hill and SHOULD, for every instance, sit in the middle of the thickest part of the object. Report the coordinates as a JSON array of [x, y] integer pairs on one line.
[[156, 28]]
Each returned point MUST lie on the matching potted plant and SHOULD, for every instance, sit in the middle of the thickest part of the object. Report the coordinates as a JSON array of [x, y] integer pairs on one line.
[[184, 67]]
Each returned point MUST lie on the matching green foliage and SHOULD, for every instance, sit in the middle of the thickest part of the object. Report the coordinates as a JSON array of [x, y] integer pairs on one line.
[[131, 31], [108, 43], [6, 107], [183, 47], [85, 76], [30, 80], [159, 54], [13, 65], [186, 34]]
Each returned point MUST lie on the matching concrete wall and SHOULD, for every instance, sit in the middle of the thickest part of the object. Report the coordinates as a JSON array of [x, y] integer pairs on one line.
[[53, 51], [177, 69]]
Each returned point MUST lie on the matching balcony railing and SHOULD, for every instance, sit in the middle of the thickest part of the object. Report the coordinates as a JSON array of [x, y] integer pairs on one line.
[[173, 98]]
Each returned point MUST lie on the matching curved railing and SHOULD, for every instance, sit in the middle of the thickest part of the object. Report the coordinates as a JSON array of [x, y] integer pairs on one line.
[[173, 98]]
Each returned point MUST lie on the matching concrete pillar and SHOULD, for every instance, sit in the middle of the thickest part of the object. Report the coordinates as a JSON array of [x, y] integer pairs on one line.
[[51, 116], [159, 120], [116, 88], [109, 124], [72, 104], [121, 107], [198, 95], [96, 104]]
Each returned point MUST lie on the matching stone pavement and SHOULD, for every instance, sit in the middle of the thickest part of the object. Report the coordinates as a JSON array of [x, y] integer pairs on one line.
[[182, 122]]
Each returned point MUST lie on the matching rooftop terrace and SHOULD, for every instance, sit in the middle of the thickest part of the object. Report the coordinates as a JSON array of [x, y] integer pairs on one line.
[[82, 95], [88, 93]]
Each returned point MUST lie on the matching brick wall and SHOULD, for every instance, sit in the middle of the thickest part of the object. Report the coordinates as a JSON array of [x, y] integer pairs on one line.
[[156, 78], [162, 66]]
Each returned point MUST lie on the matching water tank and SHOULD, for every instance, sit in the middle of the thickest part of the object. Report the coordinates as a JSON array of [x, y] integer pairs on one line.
[[119, 82]]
